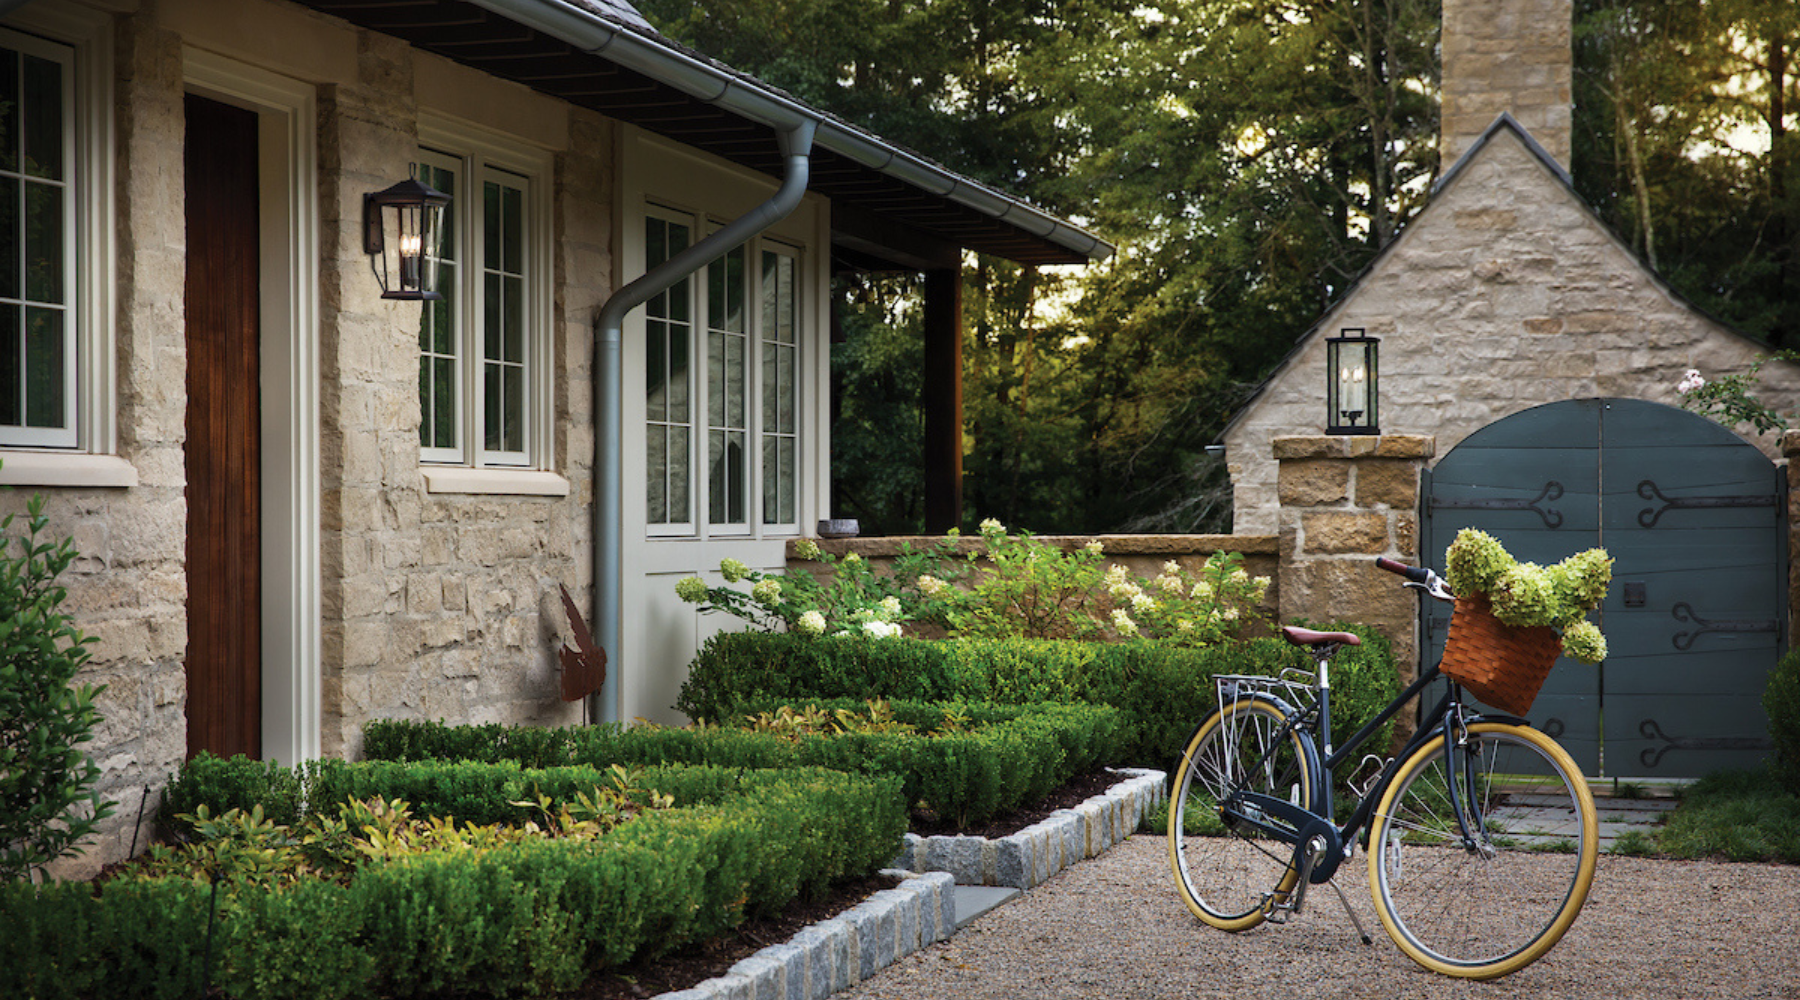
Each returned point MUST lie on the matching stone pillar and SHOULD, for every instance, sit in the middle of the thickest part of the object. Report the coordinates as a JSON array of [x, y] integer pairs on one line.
[[1514, 56], [1344, 501]]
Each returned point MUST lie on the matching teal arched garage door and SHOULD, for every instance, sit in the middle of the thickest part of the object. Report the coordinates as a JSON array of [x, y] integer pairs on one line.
[[1697, 615]]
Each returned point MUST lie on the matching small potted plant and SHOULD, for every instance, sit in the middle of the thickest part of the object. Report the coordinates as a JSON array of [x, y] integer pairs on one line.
[[1514, 618]]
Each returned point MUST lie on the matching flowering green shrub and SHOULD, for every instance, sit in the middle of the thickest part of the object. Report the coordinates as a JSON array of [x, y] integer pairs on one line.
[[855, 600], [1014, 586], [1728, 399], [1527, 595]]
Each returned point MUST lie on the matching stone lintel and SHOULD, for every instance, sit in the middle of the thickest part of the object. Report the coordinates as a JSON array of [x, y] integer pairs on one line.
[[1354, 446]]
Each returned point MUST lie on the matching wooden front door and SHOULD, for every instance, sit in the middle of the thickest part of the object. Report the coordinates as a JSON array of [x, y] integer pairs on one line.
[[224, 547]]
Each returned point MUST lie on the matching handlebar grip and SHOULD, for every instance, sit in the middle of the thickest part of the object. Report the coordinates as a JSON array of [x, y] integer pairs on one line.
[[1417, 574]]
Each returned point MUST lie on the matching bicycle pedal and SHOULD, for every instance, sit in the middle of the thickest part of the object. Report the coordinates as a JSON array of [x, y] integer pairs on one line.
[[1277, 907]]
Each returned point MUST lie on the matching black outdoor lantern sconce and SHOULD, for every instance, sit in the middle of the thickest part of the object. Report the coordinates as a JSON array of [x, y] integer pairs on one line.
[[1351, 376], [408, 268]]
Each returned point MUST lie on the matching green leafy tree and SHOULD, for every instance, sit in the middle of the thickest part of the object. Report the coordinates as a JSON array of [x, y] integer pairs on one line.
[[48, 804], [1685, 141]]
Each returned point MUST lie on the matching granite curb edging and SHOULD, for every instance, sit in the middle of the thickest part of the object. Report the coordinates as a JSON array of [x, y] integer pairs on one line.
[[1024, 860], [893, 923]]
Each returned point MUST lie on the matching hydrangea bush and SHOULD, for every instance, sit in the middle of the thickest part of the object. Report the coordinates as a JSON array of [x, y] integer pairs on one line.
[[1526, 595], [1014, 586]]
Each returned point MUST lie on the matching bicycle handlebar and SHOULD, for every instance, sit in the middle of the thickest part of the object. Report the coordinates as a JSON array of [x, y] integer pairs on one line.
[[1417, 574]]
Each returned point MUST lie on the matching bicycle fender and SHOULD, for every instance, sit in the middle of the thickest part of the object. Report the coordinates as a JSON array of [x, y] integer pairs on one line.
[[1511, 720]]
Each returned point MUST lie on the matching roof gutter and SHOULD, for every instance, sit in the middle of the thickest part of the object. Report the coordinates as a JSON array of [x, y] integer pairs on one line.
[[742, 96], [609, 393]]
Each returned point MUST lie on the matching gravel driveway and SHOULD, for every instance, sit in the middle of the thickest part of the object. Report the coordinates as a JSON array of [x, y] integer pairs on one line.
[[1113, 927]]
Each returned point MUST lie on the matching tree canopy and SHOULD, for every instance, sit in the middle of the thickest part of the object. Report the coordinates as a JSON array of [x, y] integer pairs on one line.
[[1249, 158]]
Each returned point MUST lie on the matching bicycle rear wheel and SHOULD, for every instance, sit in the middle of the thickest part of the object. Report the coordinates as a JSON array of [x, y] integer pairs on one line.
[[1483, 884], [1225, 873]]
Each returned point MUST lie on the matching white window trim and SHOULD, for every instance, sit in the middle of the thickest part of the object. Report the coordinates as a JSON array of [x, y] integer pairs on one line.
[[93, 460], [481, 149], [753, 526]]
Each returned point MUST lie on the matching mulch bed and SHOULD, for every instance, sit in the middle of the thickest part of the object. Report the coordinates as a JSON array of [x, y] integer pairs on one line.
[[689, 967]]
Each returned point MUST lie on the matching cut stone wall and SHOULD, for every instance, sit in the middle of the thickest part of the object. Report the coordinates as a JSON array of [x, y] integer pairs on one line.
[[1513, 56], [1505, 293], [127, 589], [433, 605], [1344, 501], [439, 606]]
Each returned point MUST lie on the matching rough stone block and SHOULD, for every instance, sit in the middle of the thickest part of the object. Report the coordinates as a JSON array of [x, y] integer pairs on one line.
[[766, 977], [911, 854], [1344, 532], [1309, 446], [960, 856], [1012, 862], [1387, 482], [1313, 482]]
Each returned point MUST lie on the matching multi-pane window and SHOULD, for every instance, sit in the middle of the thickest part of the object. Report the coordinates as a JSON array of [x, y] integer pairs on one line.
[[38, 317], [475, 345], [739, 319], [668, 419], [727, 412], [780, 387]]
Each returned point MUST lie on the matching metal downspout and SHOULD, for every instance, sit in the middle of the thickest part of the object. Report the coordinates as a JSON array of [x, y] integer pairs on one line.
[[609, 381]]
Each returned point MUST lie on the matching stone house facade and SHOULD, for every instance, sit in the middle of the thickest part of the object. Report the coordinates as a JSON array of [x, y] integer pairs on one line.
[[401, 488], [1510, 320]]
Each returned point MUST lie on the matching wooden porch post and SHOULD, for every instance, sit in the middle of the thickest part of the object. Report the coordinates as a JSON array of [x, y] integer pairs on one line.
[[943, 399]]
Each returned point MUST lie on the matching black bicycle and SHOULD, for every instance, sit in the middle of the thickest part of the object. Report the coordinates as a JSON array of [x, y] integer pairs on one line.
[[1470, 869]]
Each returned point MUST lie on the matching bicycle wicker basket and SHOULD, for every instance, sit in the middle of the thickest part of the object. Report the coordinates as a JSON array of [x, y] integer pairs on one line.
[[1503, 665]]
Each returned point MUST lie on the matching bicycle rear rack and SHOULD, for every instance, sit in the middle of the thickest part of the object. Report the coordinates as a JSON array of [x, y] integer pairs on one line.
[[1292, 689]]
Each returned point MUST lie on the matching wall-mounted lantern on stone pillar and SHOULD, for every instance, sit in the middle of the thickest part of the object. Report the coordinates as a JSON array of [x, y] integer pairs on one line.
[[1351, 390], [407, 266]]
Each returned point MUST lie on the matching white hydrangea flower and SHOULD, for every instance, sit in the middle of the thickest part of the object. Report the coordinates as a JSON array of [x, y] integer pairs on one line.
[[1202, 591], [811, 623], [733, 570], [1171, 568], [853, 560], [1123, 624], [767, 592], [1142, 603], [1115, 575], [1123, 592], [991, 528], [691, 589], [1239, 575], [931, 586], [1169, 584], [1094, 546], [890, 606], [881, 630]]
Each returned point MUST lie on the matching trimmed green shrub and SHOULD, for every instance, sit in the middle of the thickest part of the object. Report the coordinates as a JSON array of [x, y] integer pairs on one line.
[[1007, 756], [532, 918], [1782, 701], [1164, 691], [237, 783]]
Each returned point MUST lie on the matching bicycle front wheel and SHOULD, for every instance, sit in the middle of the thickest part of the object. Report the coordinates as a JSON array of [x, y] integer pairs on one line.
[[1481, 853], [1226, 872]]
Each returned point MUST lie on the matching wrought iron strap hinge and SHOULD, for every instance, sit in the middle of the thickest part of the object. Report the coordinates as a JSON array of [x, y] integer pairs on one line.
[[1652, 756], [1684, 612], [1551, 517], [1650, 515]]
